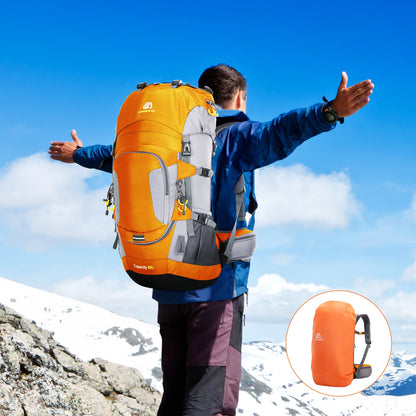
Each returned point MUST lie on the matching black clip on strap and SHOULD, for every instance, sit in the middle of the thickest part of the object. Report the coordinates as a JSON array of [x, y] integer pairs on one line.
[[367, 335], [176, 83]]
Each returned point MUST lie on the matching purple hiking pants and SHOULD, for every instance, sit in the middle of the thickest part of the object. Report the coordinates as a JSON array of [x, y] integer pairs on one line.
[[201, 357]]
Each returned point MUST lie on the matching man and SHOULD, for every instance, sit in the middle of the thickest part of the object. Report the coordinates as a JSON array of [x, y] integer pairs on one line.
[[202, 330]]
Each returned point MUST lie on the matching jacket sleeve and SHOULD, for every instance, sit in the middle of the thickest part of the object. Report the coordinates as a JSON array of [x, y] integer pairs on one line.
[[95, 157], [253, 144]]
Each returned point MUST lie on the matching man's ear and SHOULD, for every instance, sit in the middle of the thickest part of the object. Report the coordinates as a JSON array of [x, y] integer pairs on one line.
[[241, 100]]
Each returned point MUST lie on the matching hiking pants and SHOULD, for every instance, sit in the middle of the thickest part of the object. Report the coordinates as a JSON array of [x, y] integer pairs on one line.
[[201, 357]]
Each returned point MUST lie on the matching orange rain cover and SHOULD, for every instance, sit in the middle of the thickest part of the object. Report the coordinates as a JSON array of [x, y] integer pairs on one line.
[[333, 344]]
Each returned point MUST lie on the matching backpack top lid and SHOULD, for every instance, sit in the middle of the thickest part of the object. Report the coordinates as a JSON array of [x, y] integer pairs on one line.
[[167, 104]]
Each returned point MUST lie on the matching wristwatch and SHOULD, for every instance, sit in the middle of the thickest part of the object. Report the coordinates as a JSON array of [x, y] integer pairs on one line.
[[330, 115]]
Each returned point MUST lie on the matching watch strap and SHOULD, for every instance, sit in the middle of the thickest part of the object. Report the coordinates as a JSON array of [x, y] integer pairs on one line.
[[328, 109]]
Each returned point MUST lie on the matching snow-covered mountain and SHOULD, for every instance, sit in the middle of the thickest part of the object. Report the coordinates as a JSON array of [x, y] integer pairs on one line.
[[268, 385], [399, 379]]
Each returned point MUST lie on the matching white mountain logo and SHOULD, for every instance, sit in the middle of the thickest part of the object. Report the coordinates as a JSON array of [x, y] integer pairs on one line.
[[147, 108]]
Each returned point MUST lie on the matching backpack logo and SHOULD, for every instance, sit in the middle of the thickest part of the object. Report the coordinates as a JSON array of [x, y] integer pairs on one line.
[[318, 337], [147, 108]]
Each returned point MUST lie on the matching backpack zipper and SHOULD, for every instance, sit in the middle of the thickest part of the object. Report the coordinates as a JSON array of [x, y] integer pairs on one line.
[[165, 175]]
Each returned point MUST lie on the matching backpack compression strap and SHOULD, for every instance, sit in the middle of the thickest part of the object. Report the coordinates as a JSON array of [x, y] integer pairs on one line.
[[367, 335]]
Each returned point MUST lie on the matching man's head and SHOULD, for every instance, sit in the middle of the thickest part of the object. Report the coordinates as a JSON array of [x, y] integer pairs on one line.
[[228, 85]]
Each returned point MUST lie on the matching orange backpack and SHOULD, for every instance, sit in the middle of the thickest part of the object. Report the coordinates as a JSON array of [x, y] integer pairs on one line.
[[161, 190], [333, 345]]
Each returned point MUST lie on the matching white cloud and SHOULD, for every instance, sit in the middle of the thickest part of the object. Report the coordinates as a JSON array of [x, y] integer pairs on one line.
[[274, 300], [283, 259], [413, 207], [296, 195], [398, 306], [409, 273], [47, 202], [400, 312], [373, 288], [271, 305], [123, 297]]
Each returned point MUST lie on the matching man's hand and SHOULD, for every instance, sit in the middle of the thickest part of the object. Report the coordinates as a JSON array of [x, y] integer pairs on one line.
[[64, 151], [351, 99]]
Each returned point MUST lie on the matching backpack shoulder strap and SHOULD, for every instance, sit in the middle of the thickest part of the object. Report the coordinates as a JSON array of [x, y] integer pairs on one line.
[[367, 335], [239, 190], [222, 127]]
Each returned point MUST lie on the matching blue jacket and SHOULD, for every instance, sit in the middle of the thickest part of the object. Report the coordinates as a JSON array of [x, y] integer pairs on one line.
[[241, 148]]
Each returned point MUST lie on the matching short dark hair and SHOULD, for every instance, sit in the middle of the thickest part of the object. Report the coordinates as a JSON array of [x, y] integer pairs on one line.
[[224, 81]]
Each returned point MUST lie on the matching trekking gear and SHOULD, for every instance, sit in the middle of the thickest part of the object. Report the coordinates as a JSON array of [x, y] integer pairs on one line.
[[161, 189], [162, 186], [237, 244], [333, 345]]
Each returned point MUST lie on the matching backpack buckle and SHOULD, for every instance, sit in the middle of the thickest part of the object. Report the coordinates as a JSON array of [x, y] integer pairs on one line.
[[141, 85], [176, 83], [203, 219], [186, 149]]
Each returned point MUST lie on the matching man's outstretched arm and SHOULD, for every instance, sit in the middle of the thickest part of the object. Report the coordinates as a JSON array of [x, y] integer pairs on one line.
[[64, 151], [265, 143], [93, 157]]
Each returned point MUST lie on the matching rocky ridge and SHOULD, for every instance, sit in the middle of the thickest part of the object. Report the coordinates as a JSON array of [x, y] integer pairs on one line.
[[40, 377]]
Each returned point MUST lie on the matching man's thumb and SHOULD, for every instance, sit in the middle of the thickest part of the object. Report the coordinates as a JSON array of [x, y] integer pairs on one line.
[[344, 80], [77, 141]]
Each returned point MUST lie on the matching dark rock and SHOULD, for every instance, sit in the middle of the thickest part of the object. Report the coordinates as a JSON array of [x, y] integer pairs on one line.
[[39, 377]]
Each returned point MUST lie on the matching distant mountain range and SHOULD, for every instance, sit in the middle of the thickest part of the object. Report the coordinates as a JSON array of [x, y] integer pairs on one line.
[[268, 385]]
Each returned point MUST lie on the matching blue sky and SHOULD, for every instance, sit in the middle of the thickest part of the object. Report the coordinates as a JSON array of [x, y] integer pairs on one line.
[[339, 213]]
